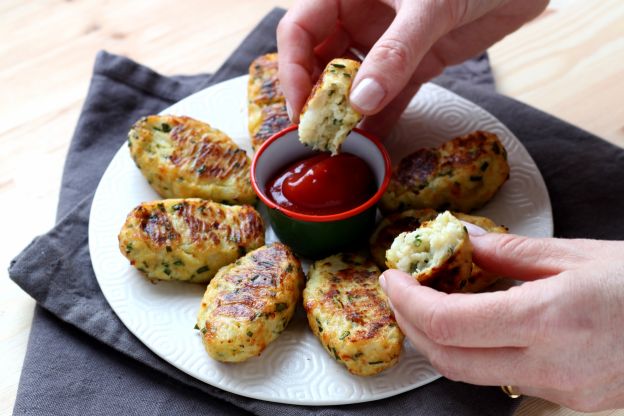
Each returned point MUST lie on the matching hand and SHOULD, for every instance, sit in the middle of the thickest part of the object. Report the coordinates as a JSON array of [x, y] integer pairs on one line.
[[408, 42], [559, 336]]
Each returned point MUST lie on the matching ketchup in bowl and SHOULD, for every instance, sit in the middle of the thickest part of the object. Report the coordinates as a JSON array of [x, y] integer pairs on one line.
[[323, 184]]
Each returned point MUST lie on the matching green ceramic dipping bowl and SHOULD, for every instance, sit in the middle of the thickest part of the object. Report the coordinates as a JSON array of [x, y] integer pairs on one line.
[[315, 236]]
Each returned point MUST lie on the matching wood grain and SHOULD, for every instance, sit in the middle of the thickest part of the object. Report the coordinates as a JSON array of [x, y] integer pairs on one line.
[[569, 63]]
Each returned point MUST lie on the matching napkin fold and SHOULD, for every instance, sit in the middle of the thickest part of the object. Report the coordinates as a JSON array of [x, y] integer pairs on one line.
[[82, 360]]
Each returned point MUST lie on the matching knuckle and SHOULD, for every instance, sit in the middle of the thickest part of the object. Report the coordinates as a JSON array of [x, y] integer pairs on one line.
[[455, 11], [287, 28], [547, 252], [393, 52], [439, 328], [530, 249], [514, 245]]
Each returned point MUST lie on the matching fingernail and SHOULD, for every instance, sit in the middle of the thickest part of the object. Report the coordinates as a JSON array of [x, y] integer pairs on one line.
[[367, 94], [382, 282], [289, 112], [474, 230]]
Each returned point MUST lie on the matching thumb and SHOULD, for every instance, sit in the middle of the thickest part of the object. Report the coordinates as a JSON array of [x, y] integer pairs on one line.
[[522, 258], [402, 289], [393, 59]]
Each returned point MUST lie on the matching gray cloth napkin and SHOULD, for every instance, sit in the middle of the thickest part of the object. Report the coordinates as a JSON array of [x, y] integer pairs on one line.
[[82, 360]]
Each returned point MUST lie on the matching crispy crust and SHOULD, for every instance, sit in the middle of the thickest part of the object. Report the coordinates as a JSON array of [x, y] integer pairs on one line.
[[462, 175], [186, 158], [348, 312], [266, 108], [249, 303], [188, 239]]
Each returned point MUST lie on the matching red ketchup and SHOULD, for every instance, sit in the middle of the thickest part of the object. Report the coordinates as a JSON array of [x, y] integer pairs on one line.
[[323, 184]]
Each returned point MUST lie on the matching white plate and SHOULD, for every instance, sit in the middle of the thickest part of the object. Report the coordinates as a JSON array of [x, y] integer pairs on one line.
[[294, 369]]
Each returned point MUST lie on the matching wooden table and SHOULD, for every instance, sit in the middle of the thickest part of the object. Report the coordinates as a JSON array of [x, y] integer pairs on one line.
[[569, 62]]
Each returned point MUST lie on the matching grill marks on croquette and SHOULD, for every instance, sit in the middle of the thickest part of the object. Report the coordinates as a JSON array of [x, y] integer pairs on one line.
[[240, 304], [157, 226], [274, 119], [266, 103], [256, 281], [206, 158], [265, 73], [418, 167], [249, 303], [364, 296], [199, 229], [248, 229], [461, 174], [349, 314], [241, 228]]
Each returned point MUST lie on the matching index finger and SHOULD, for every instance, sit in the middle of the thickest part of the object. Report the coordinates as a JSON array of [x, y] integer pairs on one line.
[[302, 28], [494, 319]]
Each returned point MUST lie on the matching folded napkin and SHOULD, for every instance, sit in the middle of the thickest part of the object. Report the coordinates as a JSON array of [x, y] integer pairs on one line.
[[82, 360]]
